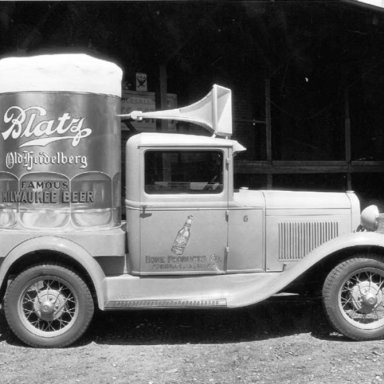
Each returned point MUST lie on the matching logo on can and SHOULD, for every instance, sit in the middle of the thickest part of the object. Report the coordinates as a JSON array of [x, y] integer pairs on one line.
[[22, 124]]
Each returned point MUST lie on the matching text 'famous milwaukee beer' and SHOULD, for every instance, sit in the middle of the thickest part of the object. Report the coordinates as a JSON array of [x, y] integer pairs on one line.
[[60, 149]]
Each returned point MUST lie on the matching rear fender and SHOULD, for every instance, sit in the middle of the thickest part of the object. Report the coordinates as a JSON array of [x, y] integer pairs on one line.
[[62, 246], [254, 293]]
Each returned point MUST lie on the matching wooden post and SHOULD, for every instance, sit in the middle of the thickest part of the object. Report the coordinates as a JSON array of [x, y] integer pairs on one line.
[[347, 127], [268, 127], [162, 125]]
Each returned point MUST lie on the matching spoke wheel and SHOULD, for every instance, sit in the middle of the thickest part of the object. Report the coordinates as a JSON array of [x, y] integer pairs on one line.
[[353, 295], [48, 306]]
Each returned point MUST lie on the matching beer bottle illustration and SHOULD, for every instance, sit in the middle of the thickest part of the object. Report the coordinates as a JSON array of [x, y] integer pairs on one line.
[[182, 237]]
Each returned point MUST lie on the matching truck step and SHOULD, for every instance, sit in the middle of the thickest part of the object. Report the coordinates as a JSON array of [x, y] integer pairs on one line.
[[166, 303]]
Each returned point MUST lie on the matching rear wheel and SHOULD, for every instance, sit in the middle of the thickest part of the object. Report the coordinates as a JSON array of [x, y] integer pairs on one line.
[[48, 305], [353, 296]]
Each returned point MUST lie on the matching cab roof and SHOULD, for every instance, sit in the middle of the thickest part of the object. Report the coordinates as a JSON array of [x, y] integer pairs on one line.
[[150, 139]]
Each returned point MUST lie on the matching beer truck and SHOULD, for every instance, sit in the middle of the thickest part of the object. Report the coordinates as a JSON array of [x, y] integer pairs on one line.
[[188, 238]]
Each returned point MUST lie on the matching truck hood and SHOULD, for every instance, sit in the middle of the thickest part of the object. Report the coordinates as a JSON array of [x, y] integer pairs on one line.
[[292, 200], [306, 200]]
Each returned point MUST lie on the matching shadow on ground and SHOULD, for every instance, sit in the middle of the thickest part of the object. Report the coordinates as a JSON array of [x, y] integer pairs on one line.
[[272, 318]]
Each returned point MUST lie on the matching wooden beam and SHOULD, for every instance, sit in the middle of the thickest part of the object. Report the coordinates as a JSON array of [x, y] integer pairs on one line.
[[162, 125], [367, 167], [347, 128], [307, 167], [268, 128]]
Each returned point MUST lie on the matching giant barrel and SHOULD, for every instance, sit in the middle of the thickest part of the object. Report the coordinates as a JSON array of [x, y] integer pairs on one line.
[[59, 142]]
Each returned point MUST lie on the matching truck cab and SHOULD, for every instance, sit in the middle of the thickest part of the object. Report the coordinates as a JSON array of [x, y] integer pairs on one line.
[[175, 177], [171, 179]]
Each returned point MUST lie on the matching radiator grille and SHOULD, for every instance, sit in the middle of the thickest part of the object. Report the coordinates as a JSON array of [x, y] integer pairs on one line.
[[297, 239]]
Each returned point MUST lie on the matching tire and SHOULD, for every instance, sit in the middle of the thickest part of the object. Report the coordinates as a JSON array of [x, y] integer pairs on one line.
[[353, 297], [48, 306]]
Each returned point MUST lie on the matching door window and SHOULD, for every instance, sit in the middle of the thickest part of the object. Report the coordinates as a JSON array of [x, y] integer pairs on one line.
[[174, 172]]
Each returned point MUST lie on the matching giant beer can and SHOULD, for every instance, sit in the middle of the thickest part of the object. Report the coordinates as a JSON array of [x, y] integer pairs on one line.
[[59, 142]]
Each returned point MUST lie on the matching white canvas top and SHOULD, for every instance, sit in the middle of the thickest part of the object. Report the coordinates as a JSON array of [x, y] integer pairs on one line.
[[61, 72]]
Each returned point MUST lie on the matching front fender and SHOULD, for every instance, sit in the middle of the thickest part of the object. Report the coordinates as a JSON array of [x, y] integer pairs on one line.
[[63, 246], [268, 284], [348, 241]]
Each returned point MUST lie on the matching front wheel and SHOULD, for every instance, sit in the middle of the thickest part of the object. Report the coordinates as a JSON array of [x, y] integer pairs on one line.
[[353, 297], [48, 305]]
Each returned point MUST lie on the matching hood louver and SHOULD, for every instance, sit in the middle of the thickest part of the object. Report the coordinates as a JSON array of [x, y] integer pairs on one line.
[[298, 239]]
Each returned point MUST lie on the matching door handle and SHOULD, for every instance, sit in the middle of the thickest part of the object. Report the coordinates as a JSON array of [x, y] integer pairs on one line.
[[144, 214]]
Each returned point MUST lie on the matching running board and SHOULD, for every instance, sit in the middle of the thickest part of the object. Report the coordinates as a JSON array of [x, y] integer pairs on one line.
[[232, 290], [166, 303]]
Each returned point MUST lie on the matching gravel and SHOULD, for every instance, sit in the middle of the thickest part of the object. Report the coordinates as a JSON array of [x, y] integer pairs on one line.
[[284, 340]]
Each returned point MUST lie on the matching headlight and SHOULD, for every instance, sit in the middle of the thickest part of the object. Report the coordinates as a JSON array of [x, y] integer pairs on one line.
[[369, 218]]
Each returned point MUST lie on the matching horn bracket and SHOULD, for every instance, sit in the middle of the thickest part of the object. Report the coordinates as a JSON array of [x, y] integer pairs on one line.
[[214, 112], [135, 115]]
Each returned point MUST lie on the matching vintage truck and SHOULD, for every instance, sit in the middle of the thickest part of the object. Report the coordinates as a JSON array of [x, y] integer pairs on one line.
[[189, 240]]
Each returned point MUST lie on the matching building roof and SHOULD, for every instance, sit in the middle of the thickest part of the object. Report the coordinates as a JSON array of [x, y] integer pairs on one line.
[[373, 4]]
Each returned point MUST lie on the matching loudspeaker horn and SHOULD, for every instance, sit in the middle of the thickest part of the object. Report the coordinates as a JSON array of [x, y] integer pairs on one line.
[[213, 111]]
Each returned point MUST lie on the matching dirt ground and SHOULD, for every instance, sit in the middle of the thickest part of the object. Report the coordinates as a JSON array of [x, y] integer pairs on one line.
[[287, 341]]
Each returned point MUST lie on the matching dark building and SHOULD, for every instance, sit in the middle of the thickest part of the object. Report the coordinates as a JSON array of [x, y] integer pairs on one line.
[[306, 76]]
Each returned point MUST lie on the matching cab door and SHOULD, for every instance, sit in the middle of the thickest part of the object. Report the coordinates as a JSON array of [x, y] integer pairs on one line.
[[183, 219]]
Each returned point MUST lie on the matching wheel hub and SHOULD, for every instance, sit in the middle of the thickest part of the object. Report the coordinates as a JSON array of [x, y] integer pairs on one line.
[[366, 296], [49, 305]]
